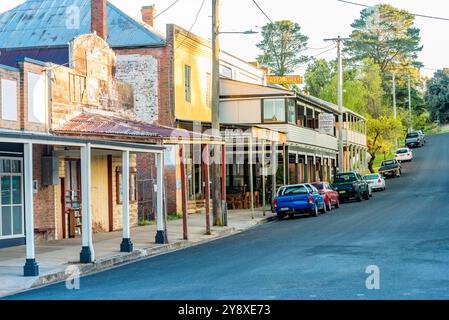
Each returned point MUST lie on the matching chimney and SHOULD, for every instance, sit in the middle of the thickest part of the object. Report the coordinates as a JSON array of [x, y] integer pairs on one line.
[[148, 14], [99, 18]]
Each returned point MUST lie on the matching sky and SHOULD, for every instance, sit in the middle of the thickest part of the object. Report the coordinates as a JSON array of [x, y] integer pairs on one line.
[[319, 19]]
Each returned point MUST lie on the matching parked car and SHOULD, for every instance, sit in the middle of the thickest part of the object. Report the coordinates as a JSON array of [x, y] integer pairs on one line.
[[351, 185], [331, 197], [403, 155], [375, 181], [300, 198], [414, 139], [421, 133], [390, 168]]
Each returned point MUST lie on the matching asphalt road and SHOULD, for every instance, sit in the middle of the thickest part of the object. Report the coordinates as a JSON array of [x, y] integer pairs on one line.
[[404, 231]]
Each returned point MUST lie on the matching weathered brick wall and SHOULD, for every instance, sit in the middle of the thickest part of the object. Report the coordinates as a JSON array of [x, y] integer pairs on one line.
[[45, 208], [141, 72], [161, 55]]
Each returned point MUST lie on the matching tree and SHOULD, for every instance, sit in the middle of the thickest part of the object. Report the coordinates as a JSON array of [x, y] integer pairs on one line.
[[437, 96], [380, 134], [318, 75], [388, 36], [282, 46]]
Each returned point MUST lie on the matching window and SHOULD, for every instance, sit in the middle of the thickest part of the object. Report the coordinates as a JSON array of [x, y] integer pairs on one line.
[[132, 185], [11, 198], [301, 118], [310, 123], [291, 111], [226, 72], [77, 85], [9, 100], [188, 83], [208, 90], [317, 119], [296, 190], [274, 110], [37, 112]]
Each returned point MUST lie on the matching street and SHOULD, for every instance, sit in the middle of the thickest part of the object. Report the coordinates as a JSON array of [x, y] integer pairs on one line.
[[404, 231]]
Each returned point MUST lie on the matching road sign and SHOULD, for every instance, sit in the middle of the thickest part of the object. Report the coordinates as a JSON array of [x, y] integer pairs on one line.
[[326, 123], [284, 79]]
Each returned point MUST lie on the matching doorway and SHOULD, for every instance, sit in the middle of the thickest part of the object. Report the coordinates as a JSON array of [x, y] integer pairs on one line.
[[71, 199]]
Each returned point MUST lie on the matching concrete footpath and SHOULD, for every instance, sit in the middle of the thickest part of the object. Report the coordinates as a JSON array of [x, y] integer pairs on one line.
[[58, 260]]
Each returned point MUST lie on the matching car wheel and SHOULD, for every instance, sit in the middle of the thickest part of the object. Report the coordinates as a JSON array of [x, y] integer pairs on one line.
[[337, 204], [359, 197], [281, 216], [330, 205], [314, 212], [324, 209], [291, 215], [366, 195]]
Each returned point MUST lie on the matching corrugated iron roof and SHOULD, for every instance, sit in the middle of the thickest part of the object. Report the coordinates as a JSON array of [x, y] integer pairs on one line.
[[47, 23], [99, 124]]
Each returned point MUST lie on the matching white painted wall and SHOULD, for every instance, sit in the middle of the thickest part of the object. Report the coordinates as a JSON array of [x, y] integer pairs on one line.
[[37, 111], [305, 135], [9, 104], [241, 70], [141, 72]]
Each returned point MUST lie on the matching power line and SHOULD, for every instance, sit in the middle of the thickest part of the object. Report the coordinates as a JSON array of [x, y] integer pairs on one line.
[[166, 9], [193, 24], [414, 14], [263, 12]]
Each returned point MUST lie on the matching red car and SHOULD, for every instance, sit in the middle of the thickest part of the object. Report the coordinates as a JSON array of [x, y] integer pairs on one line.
[[331, 197]]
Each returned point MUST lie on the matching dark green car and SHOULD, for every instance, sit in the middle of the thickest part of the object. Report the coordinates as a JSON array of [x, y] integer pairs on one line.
[[350, 185]]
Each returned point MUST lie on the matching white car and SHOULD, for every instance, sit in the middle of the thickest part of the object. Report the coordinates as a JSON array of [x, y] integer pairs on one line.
[[375, 181], [404, 154]]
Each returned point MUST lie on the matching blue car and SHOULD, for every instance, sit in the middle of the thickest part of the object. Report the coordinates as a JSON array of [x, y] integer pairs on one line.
[[300, 198]]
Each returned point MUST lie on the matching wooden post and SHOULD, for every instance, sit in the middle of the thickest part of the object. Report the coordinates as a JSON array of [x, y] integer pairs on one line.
[[251, 175], [223, 185], [264, 202]]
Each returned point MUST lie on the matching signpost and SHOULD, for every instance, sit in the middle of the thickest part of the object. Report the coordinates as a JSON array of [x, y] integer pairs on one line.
[[284, 80], [326, 122]]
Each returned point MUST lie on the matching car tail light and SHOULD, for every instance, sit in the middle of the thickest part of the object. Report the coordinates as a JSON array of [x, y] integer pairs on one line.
[[310, 199], [354, 186], [275, 202], [380, 180]]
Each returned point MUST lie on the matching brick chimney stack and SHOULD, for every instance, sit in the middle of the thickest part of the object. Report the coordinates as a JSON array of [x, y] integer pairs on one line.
[[148, 14], [99, 18]]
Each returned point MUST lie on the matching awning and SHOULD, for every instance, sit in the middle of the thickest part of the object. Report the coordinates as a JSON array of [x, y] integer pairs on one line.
[[115, 128]]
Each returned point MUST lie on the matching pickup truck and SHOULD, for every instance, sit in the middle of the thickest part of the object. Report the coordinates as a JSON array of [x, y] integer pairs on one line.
[[298, 199], [414, 139], [351, 185], [390, 168]]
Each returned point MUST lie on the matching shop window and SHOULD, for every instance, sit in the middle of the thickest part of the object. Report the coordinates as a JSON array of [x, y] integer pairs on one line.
[[132, 185], [188, 83], [11, 198], [274, 110]]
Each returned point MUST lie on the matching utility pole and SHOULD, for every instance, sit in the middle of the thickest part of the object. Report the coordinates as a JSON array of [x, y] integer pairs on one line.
[[339, 41], [216, 172], [394, 107], [410, 102]]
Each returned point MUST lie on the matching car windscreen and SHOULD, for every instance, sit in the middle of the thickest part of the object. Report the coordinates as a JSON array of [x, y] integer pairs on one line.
[[371, 177], [388, 163], [401, 151], [296, 190], [348, 177], [412, 135]]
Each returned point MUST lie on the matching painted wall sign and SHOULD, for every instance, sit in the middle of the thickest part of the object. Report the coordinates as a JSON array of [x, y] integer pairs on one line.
[[326, 123]]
